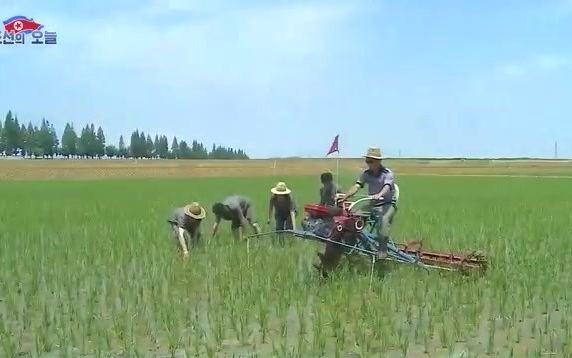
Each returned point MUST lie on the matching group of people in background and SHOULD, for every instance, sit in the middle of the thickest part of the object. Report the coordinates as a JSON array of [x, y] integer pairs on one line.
[[239, 210]]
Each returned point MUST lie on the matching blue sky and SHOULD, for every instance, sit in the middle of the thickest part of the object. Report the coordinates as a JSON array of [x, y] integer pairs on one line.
[[282, 78]]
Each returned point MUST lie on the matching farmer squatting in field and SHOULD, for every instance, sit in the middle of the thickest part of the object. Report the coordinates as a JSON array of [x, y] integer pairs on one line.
[[284, 207], [381, 186], [237, 209], [185, 225]]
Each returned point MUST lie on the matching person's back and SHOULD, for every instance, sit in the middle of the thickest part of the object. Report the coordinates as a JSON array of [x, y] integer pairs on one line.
[[328, 190], [237, 202]]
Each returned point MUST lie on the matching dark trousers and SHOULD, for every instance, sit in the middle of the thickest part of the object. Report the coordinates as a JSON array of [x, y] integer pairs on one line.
[[283, 222]]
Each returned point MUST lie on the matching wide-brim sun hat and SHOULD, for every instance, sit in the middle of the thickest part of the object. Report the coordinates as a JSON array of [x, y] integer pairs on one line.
[[373, 153], [195, 211], [280, 189]]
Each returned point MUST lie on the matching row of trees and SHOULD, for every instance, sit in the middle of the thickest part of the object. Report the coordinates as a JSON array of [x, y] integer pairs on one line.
[[43, 140]]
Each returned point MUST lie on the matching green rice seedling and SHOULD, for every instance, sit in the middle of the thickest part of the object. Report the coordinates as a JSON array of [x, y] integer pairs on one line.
[[565, 324], [426, 344], [444, 335], [263, 318], [547, 320], [518, 335], [404, 341], [335, 322], [174, 339], [540, 341], [339, 343], [243, 320], [301, 346], [319, 337], [491, 337], [8, 345], [217, 322]]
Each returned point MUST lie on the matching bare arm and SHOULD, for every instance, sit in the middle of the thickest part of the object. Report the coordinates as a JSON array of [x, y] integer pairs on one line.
[[242, 219], [215, 226], [270, 207], [293, 218], [182, 241], [352, 191]]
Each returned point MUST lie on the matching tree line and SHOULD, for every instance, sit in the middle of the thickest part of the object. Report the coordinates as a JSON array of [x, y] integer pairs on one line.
[[43, 140]]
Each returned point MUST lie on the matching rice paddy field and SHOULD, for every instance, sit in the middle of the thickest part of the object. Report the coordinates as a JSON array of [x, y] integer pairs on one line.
[[88, 269]]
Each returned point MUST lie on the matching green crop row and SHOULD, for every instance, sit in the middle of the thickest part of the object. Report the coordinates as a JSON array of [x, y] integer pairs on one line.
[[88, 268]]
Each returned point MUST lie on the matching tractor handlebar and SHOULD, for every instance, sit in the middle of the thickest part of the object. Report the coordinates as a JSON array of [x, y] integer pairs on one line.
[[349, 205]]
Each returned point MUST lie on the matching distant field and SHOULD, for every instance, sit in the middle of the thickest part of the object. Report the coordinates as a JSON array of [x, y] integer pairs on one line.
[[104, 169], [87, 267]]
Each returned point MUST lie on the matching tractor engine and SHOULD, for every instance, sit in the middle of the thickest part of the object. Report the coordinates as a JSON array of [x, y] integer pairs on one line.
[[330, 222], [318, 226]]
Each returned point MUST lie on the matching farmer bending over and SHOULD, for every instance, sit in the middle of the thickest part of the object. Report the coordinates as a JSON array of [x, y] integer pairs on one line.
[[282, 202], [328, 190], [237, 209], [185, 225], [381, 185]]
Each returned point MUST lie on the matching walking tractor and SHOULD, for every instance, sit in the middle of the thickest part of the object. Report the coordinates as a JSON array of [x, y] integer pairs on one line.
[[349, 229]]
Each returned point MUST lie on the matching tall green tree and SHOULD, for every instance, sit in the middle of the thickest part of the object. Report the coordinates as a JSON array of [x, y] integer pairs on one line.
[[24, 138], [162, 149], [122, 150], [136, 146], [100, 142], [32, 146], [111, 151], [10, 134], [184, 150], [149, 147], [43, 139], [156, 145], [87, 144], [18, 140], [175, 148], [47, 138], [69, 141]]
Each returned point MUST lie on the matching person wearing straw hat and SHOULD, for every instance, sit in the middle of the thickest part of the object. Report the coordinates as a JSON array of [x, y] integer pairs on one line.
[[284, 207], [237, 209], [381, 185], [185, 225]]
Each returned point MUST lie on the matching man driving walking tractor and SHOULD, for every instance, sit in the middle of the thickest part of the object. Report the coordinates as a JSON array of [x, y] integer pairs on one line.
[[382, 187]]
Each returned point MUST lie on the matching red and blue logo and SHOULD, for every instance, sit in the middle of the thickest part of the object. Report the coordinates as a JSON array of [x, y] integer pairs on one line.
[[21, 24]]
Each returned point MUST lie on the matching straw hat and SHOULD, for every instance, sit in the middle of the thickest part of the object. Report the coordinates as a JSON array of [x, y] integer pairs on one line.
[[373, 153], [195, 211], [280, 189]]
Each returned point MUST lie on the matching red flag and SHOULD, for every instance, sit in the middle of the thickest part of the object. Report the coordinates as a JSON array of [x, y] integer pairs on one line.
[[334, 146]]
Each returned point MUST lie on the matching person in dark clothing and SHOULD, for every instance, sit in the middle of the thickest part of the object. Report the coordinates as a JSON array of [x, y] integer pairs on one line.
[[237, 209], [284, 207], [328, 190]]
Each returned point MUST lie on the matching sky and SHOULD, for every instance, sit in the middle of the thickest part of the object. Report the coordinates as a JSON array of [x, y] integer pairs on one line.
[[440, 78]]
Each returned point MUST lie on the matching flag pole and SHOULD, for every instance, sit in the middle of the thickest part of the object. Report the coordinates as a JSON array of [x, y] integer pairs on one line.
[[334, 147], [338, 168]]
